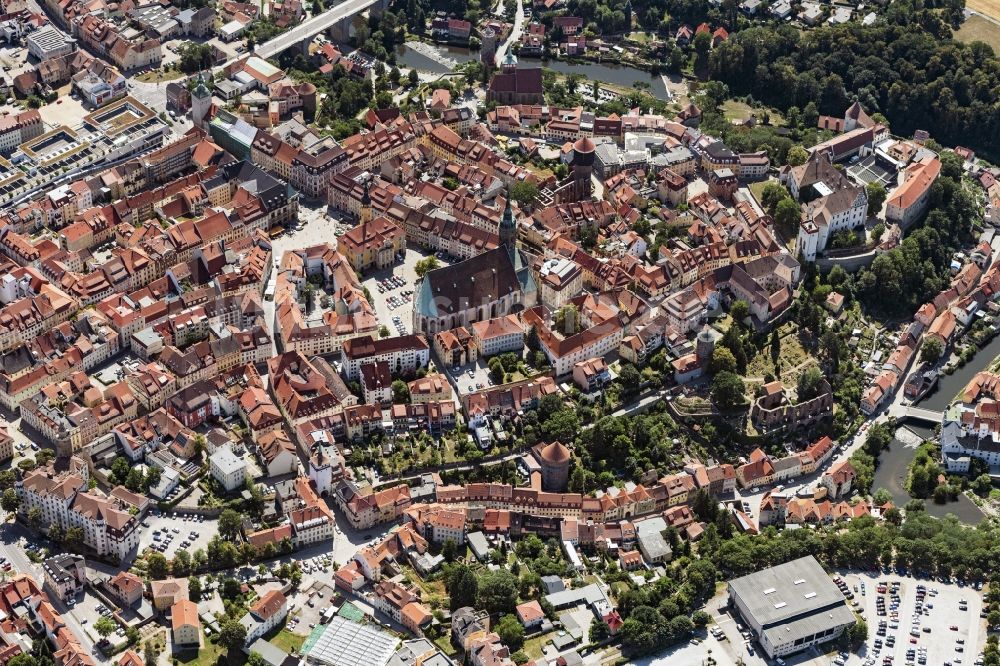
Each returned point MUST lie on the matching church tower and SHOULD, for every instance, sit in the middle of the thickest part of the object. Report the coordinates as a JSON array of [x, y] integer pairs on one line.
[[509, 64], [201, 102], [366, 204], [508, 229]]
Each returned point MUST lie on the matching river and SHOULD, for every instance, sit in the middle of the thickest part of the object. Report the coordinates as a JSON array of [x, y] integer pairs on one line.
[[409, 58], [949, 385], [891, 473], [619, 75]]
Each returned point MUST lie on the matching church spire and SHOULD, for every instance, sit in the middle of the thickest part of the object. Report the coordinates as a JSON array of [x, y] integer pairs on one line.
[[508, 228], [366, 204]]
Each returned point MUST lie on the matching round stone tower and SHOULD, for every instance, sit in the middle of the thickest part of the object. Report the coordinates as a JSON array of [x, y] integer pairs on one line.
[[488, 50], [704, 345], [555, 467], [583, 167]]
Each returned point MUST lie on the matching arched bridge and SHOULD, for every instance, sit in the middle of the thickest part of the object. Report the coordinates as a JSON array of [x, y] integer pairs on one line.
[[337, 19]]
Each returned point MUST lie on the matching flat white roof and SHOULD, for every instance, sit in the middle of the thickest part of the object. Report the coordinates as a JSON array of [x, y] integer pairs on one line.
[[226, 461]]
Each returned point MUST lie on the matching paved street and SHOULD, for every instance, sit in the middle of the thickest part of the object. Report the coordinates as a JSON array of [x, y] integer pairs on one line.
[[515, 32], [10, 535]]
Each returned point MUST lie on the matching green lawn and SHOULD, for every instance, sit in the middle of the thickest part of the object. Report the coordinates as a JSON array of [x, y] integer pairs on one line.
[[757, 188], [287, 641], [533, 646], [430, 589], [210, 655], [541, 173], [791, 356], [733, 110], [640, 37], [443, 643], [157, 76]]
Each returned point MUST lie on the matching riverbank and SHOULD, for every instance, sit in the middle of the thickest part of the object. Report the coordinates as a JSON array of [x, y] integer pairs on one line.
[[893, 466], [442, 58], [949, 386], [894, 463]]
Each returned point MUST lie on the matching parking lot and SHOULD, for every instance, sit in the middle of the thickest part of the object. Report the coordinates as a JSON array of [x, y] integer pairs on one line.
[[472, 376], [86, 609], [397, 295], [174, 531], [392, 305], [944, 634], [14, 60], [929, 627], [309, 605]]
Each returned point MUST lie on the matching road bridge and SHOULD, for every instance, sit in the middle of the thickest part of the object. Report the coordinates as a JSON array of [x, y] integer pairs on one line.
[[926, 416], [337, 20]]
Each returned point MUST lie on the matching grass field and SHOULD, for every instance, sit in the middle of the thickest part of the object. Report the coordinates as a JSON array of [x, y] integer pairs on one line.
[[533, 646], [976, 28], [757, 188], [792, 359], [210, 655], [287, 641], [988, 7], [157, 76], [734, 110]]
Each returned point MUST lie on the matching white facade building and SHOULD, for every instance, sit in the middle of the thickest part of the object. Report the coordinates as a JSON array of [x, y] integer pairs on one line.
[[108, 525], [227, 469]]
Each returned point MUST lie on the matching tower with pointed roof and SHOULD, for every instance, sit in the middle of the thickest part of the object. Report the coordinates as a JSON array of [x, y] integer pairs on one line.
[[509, 64], [366, 204], [201, 102], [554, 461], [508, 228]]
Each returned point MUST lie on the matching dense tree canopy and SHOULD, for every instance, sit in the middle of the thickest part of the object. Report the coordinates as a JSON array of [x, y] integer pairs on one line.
[[462, 586], [727, 390], [906, 69], [497, 591]]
